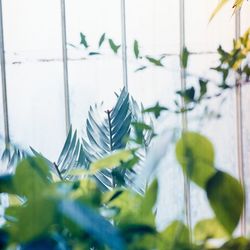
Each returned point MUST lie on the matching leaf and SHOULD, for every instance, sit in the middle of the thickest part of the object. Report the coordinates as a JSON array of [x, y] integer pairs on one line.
[[136, 49], [225, 195], [94, 53], [209, 229], [156, 62], [203, 87], [111, 161], [156, 110], [184, 57], [239, 243], [7, 185], [83, 40], [102, 39], [108, 134], [113, 46], [92, 223], [33, 220], [187, 94], [141, 68], [195, 153], [37, 176], [218, 8], [175, 237], [149, 199]]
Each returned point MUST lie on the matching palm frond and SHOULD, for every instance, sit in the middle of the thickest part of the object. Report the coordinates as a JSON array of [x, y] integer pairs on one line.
[[11, 155], [106, 132], [71, 156]]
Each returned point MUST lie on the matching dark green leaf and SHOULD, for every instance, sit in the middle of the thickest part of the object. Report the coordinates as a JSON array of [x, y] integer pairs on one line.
[[113, 46], [141, 68], [225, 195], [156, 62], [156, 110], [83, 40], [7, 185], [102, 39], [136, 49], [94, 53], [184, 58]]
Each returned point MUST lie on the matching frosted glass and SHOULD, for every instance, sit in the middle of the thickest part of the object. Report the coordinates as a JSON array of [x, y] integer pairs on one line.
[[204, 36], [221, 132], [93, 79], [32, 29], [93, 18], [155, 24], [245, 17], [36, 106]]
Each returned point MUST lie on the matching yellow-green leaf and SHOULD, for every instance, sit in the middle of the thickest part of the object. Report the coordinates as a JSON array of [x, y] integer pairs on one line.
[[111, 161]]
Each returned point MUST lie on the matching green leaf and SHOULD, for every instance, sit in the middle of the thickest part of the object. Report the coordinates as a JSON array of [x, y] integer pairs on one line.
[[236, 244], [33, 220], [141, 68], [209, 229], [184, 58], [83, 40], [7, 185], [187, 94], [111, 161], [102, 39], [203, 87], [226, 197], [94, 53], [156, 110], [136, 49], [32, 177], [149, 199], [175, 237], [156, 62], [113, 46], [195, 154]]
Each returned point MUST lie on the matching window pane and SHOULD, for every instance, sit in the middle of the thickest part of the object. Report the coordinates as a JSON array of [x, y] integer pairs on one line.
[[36, 106], [202, 35], [32, 28], [93, 78]]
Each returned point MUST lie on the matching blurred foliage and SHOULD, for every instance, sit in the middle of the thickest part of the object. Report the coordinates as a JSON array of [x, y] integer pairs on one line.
[[90, 197]]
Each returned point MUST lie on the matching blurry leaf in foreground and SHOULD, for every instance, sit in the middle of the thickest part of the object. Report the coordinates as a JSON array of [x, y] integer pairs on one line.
[[209, 229], [195, 154], [111, 161], [94, 224], [226, 197], [175, 237]]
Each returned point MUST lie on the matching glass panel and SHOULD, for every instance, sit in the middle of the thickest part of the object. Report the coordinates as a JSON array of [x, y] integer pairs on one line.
[[221, 132], [202, 35], [93, 78], [155, 24], [36, 106], [32, 29], [245, 16]]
